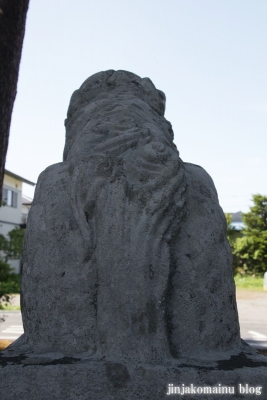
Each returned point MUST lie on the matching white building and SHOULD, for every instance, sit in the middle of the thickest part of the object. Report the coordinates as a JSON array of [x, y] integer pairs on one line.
[[15, 212]]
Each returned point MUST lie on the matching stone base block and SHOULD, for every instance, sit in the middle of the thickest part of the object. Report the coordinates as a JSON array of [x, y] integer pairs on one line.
[[52, 377]]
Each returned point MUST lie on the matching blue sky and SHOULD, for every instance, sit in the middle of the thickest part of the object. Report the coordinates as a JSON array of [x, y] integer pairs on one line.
[[208, 56]]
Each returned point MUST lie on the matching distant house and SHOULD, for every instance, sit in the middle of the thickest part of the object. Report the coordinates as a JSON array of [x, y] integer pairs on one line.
[[15, 211], [237, 221]]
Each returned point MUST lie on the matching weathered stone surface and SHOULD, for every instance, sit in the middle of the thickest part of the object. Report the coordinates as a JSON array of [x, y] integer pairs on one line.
[[126, 265]]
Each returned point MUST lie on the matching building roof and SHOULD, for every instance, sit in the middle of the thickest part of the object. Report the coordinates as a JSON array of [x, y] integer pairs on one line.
[[26, 201], [19, 177], [237, 217]]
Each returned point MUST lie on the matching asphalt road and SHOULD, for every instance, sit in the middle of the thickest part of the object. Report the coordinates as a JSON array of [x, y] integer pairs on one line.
[[252, 310], [12, 327]]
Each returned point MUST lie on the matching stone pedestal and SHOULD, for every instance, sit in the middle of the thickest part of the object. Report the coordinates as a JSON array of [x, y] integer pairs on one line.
[[52, 376]]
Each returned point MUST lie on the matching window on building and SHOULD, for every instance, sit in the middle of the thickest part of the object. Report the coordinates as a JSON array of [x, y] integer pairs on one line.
[[10, 197]]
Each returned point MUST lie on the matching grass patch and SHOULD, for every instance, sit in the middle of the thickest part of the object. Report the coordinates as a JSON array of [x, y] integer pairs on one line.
[[249, 282], [9, 307]]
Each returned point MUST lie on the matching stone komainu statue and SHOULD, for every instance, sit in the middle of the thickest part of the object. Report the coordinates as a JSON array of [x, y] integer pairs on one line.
[[125, 254]]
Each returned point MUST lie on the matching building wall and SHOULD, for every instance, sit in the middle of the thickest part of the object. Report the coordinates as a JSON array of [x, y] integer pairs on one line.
[[10, 214], [10, 217], [24, 214], [5, 228]]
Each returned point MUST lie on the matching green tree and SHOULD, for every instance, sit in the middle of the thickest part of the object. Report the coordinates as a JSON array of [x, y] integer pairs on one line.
[[10, 248], [251, 248], [231, 230], [232, 234], [9, 283]]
